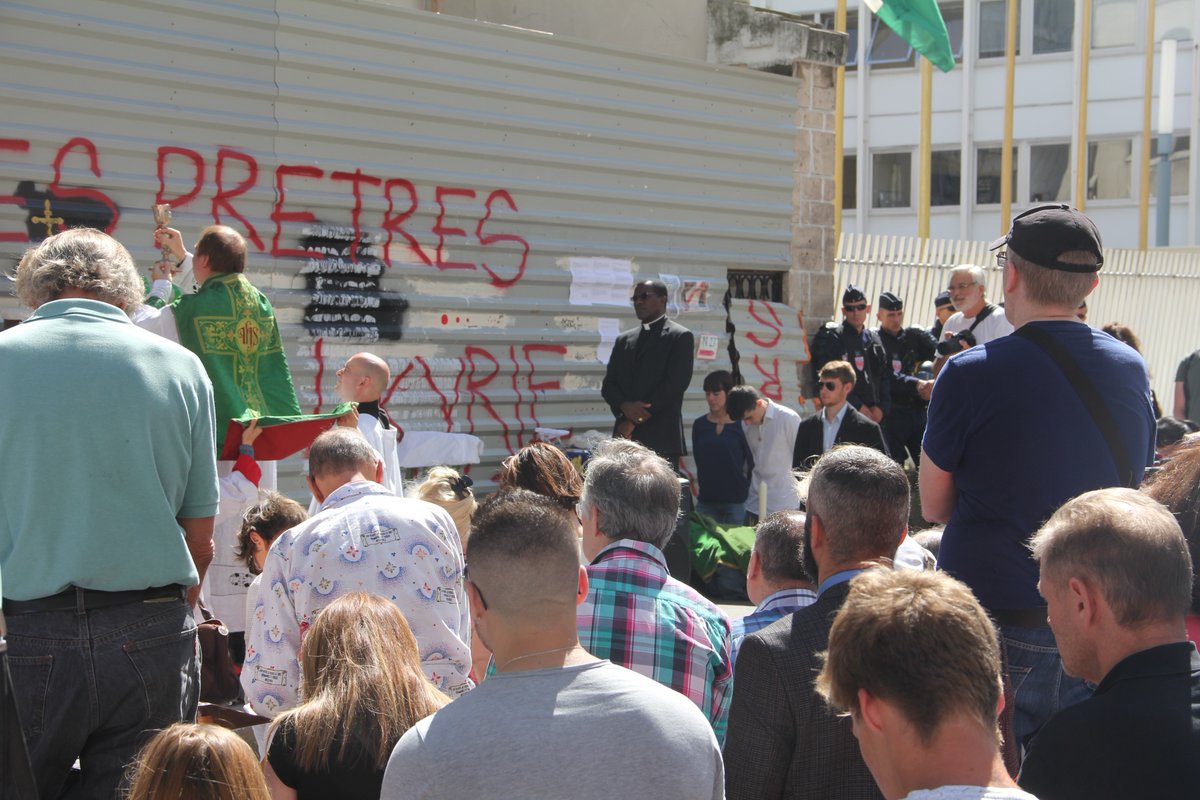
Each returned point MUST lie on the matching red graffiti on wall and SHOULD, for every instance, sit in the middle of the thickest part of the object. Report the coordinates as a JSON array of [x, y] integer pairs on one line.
[[184, 178]]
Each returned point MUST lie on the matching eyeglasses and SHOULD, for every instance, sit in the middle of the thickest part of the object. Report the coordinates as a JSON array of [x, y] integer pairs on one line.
[[828, 386], [856, 307], [1001, 257], [962, 287], [467, 579]]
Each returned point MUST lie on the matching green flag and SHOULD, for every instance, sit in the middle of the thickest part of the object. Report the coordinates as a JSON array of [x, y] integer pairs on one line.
[[231, 326], [918, 22]]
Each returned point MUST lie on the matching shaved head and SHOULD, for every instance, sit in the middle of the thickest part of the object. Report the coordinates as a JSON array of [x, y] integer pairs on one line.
[[363, 379]]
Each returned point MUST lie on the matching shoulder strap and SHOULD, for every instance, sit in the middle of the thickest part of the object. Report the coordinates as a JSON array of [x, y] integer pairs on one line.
[[1101, 414], [981, 316]]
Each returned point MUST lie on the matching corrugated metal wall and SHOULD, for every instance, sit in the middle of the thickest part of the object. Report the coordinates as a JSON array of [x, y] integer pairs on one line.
[[470, 162], [1153, 292]]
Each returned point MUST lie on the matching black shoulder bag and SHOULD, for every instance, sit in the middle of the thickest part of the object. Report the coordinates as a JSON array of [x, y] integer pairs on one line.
[[1088, 393]]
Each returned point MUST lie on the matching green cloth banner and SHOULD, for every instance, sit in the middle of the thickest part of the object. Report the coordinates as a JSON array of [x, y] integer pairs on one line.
[[712, 543], [920, 23], [231, 326]]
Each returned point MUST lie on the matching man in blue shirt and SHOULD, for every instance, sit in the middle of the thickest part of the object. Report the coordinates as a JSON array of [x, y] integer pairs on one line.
[[1010, 438]]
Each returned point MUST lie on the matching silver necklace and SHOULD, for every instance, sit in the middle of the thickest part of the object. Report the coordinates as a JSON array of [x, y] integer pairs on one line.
[[538, 653]]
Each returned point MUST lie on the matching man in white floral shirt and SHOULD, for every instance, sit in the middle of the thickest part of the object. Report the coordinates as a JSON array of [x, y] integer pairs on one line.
[[365, 539]]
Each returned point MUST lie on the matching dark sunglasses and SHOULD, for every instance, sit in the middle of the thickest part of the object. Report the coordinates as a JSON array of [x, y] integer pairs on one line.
[[467, 579], [858, 307], [643, 296], [829, 386]]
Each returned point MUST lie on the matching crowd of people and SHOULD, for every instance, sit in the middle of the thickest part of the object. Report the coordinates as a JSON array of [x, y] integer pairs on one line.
[[534, 642]]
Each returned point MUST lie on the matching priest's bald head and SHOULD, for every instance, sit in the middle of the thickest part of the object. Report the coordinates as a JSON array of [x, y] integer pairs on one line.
[[363, 378]]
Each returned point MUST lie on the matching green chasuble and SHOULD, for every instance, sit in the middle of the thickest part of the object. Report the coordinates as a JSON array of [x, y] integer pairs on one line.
[[231, 326], [155, 302]]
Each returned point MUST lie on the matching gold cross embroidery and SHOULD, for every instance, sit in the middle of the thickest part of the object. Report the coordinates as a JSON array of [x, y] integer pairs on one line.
[[46, 219], [245, 336]]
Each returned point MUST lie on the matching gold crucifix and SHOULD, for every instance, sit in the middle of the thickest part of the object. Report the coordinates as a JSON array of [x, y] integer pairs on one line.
[[46, 219]]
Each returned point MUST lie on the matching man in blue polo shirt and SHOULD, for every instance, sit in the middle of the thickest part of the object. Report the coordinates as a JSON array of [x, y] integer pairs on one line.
[[108, 487], [1011, 437]]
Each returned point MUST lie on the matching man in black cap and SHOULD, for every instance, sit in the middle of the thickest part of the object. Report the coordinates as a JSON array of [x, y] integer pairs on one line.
[[943, 309], [907, 349], [857, 344], [1021, 424]]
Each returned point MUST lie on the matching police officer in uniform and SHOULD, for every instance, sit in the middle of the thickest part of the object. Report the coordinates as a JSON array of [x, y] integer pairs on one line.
[[943, 307], [907, 349], [852, 341]]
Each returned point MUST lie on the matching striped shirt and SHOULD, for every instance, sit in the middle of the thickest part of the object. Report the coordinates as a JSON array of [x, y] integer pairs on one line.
[[638, 616], [773, 608]]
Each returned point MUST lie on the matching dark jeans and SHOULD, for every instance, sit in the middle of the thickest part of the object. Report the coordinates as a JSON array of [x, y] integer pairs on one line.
[[94, 684], [1036, 679]]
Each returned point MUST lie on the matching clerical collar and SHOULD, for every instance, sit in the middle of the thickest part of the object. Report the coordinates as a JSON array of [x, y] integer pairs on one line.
[[373, 408], [649, 326]]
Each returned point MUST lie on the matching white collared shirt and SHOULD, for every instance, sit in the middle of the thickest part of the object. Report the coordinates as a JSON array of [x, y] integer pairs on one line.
[[773, 444], [829, 429]]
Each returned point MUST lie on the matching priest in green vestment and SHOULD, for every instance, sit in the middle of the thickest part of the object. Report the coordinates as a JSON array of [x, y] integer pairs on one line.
[[229, 324]]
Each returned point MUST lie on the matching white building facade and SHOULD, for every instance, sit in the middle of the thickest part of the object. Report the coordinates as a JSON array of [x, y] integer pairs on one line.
[[882, 103]]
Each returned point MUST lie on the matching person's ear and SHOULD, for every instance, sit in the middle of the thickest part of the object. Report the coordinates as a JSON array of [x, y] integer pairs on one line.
[[754, 569], [1085, 600], [379, 472], [316, 491], [870, 712], [582, 591]]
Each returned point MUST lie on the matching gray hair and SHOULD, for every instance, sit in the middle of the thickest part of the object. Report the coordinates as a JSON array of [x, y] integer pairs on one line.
[[779, 542], [83, 259], [1127, 544], [862, 499], [341, 450], [975, 271], [634, 490]]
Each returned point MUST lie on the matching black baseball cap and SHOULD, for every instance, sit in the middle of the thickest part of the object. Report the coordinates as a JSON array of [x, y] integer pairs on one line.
[[889, 302], [1045, 232], [943, 299]]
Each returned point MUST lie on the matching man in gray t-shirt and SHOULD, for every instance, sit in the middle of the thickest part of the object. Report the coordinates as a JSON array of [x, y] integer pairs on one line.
[[553, 721]]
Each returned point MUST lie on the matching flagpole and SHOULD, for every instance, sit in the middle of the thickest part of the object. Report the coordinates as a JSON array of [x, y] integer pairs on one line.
[[1010, 70], [839, 133], [926, 158], [1147, 92], [1081, 144]]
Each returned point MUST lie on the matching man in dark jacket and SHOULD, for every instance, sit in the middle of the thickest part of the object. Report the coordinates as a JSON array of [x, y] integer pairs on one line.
[[855, 343], [648, 374], [907, 349], [838, 423]]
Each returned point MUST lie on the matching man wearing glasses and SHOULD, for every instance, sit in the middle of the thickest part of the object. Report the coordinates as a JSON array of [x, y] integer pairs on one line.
[[837, 423], [857, 344], [648, 373], [983, 320]]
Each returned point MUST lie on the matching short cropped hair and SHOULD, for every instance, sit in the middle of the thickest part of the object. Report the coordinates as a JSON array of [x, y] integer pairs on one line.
[[718, 381], [862, 499], [974, 270], [740, 400], [779, 542], [919, 640], [341, 450], [1126, 544], [1055, 286], [658, 287], [524, 552], [81, 259], [224, 247], [634, 490], [838, 369]]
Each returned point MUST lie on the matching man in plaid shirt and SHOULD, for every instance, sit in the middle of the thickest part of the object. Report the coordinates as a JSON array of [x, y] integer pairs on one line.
[[636, 615]]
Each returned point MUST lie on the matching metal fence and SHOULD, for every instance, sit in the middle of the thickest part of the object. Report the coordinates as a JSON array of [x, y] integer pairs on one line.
[[1155, 292]]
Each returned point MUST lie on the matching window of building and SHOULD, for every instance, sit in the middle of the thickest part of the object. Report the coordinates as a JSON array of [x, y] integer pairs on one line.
[[1173, 20], [887, 49], [992, 27], [945, 180], [849, 181], [1053, 23], [952, 15], [987, 175], [828, 21], [1180, 160], [1114, 23], [891, 180], [1049, 173], [1108, 169]]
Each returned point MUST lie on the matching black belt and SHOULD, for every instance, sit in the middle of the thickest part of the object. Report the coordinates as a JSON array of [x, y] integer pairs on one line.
[[75, 598], [1020, 617]]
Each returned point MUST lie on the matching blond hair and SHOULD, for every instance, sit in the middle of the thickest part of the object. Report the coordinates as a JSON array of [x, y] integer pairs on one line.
[[444, 487], [1056, 287], [362, 685], [197, 762]]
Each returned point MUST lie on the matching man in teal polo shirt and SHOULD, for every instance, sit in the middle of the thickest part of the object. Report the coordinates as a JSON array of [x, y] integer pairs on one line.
[[108, 489]]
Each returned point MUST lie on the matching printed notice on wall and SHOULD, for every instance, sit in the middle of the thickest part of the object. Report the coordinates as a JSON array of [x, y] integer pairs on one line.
[[609, 329], [600, 281], [707, 351]]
